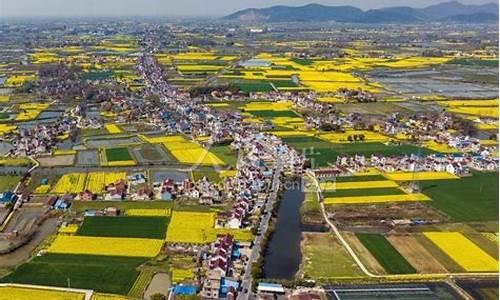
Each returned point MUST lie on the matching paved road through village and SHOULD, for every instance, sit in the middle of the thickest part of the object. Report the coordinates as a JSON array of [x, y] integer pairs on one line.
[[263, 227]]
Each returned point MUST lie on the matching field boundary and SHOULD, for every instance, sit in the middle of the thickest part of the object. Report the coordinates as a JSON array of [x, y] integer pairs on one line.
[[416, 277], [88, 293]]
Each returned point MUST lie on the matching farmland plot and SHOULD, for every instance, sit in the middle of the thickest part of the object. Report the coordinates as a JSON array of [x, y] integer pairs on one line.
[[133, 227], [392, 261], [109, 246], [106, 274]]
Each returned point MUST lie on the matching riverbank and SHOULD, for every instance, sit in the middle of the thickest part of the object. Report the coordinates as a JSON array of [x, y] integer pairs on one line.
[[282, 256]]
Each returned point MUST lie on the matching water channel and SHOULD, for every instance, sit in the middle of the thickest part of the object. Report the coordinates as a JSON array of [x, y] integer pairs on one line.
[[283, 255]]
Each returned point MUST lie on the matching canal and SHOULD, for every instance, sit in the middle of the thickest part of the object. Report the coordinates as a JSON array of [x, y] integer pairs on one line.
[[283, 256]]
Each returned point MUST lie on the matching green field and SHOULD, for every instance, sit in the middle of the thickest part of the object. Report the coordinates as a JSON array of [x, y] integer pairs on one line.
[[4, 116], [306, 142], [273, 113], [360, 178], [81, 206], [283, 83], [310, 210], [226, 154], [87, 132], [118, 154], [302, 61], [256, 86], [8, 183], [324, 257], [134, 227], [468, 199], [474, 62], [106, 274], [388, 257], [209, 173], [321, 152], [363, 192], [153, 152], [321, 156]]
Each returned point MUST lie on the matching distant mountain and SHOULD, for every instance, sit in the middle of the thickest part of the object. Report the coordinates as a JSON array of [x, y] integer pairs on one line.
[[447, 12], [308, 12], [454, 8]]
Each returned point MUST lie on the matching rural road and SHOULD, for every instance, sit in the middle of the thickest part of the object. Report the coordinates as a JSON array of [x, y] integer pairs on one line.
[[263, 227], [421, 276]]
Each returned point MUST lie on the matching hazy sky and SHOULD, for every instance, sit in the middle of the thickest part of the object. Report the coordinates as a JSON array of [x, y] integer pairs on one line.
[[10, 8]]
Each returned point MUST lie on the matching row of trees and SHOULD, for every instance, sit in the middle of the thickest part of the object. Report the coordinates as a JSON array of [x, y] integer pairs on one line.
[[356, 138]]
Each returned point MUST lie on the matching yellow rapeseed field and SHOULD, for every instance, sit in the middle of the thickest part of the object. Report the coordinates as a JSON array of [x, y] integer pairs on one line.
[[413, 62], [70, 183], [330, 99], [369, 136], [488, 142], [491, 236], [19, 293], [463, 251], [42, 189], [480, 126], [218, 104], [330, 76], [112, 128], [367, 171], [68, 229], [492, 102], [18, 80], [358, 185], [227, 173], [376, 199], [110, 246], [440, 147], [108, 114], [185, 151], [486, 111], [29, 111], [120, 163], [198, 228], [179, 275], [190, 227], [196, 156], [4, 128], [96, 181], [290, 133], [408, 176], [201, 56], [99, 296], [64, 152], [201, 68], [268, 105], [148, 212]]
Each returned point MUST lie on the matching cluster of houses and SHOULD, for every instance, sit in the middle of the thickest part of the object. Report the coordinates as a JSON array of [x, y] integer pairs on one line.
[[219, 282], [455, 163], [434, 128], [207, 192], [59, 202], [37, 140], [254, 175], [6, 198], [114, 191]]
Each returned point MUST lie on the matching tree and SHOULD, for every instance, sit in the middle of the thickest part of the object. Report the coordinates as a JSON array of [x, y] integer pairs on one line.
[[349, 138], [158, 296]]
